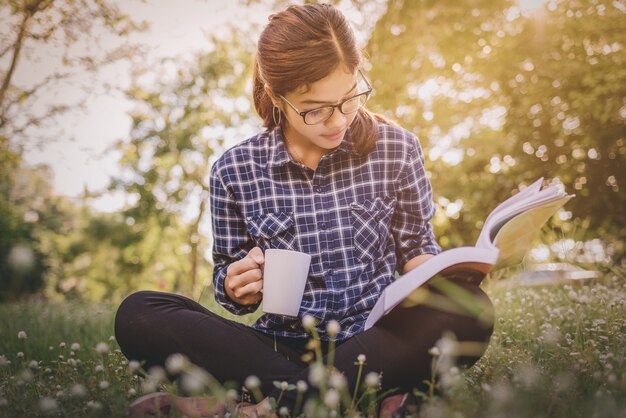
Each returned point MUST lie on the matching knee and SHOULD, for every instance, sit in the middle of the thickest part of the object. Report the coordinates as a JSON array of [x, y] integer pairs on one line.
[[132, 304], [130, 312]]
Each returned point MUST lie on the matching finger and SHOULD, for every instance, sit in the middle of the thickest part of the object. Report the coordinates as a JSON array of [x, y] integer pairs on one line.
[[249, 291], [257, 255], [236, 283], [252, 299], [241, 266], [252, 288]]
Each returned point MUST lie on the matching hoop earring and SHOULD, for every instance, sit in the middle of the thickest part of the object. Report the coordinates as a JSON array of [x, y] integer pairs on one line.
[[274, 109]]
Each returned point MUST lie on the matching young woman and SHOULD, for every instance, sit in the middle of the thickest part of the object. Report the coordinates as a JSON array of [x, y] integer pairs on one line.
[[328, 178]]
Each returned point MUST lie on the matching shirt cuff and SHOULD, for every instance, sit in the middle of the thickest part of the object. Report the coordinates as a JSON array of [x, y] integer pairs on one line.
[[431, 248], [222, 298]]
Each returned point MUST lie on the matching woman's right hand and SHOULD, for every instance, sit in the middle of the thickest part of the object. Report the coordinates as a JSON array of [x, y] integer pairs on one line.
[[244, 278]]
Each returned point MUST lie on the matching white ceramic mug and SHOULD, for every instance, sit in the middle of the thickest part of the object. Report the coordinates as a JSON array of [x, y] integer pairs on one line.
[[285, 273]]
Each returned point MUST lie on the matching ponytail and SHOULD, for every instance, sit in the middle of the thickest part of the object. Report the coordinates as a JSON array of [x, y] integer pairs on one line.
[[262, 101]]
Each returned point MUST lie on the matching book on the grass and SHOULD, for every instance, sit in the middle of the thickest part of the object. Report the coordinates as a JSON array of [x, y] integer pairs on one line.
[[504, 240]]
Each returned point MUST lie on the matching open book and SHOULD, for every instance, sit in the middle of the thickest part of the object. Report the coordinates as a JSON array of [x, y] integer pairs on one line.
[[506, 236]]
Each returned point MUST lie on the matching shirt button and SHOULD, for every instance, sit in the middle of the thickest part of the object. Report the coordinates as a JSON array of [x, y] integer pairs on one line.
[[323, 226], [318, 189], [330, 272]]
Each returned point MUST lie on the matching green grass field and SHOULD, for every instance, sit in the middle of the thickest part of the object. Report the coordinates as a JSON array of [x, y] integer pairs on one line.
[[557, 351]]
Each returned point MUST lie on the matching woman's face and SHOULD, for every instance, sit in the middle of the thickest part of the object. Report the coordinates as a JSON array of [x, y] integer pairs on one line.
[[336, 87]]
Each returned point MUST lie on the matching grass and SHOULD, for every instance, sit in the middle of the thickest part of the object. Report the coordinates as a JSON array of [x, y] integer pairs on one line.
[[556, 352]]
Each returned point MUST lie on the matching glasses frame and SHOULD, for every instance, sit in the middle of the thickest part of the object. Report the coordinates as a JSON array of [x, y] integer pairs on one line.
[[333, 107]]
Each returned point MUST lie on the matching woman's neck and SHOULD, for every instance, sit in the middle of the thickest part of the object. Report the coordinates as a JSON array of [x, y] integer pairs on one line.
[[302, 150]]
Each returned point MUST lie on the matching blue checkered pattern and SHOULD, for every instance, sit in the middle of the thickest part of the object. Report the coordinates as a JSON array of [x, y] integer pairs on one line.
[[360, 218]]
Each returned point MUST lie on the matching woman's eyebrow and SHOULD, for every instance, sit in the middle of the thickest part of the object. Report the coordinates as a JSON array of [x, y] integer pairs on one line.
[[305, 102]]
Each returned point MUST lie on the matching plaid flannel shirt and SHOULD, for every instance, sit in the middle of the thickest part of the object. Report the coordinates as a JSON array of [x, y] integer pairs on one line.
[[359, 217]]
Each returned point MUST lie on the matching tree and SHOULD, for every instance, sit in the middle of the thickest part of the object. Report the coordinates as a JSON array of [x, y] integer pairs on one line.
[[24, 196], [177, 127], [75, 28], [501, 96], [30, 215]]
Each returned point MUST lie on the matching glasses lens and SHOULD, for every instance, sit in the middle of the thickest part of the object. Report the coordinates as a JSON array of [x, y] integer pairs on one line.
[[318, 115], [353, 104]]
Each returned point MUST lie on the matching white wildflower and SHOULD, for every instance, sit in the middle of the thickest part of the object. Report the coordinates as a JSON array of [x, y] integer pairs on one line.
[[102, 348], [111, 338], [78, 391], [283, 411], [22, 335], [24, 376], [316, 374], [331, 400], [252, 382], [337, 381], [103, 384], [99, 368], [284, 385], [72, 362], [148, 386], [194, 381], [75, 347], [62, 344], [20, 354], [133, 365], [232, 395], [372, 379], [95, 405], [301, 386], [176, 363], [47, 405], [361, 359], [4, 361], [434, 351], [132, 392], [156, 373], [308, 322], [33, 365], [333, 328]]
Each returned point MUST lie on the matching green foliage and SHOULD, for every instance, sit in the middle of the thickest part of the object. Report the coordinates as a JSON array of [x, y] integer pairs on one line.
[[501, 96], [178, 125], [27, 110], [23, 197]]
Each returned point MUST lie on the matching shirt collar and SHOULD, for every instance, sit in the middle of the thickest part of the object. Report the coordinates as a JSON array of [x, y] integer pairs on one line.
[[279, 155]]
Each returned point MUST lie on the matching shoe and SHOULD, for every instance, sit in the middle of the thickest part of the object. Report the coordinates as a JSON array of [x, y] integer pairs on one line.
[[161, 404], [399, 406], [199, 406], [152, 404]]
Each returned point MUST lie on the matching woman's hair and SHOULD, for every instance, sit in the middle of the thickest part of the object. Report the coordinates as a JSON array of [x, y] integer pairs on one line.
[[301, 45]]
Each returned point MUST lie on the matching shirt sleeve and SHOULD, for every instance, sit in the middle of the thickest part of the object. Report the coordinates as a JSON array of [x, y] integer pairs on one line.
[[231, 241], [411, 225]]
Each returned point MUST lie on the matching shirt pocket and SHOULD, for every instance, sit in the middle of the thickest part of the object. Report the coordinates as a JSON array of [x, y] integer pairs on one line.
[[371, 223], [272, 230]]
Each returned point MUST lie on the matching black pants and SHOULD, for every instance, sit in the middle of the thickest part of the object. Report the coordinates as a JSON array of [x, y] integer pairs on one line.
[[150, 326]]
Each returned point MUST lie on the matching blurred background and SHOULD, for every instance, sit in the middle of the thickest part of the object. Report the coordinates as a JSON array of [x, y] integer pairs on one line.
[[112, 112]]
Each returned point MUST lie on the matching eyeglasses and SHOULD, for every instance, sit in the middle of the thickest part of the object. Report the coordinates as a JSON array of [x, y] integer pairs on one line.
[[322, 114]]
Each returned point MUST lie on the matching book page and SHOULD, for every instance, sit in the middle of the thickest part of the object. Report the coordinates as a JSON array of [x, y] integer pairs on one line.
[[512, 207], [517, 235], [450, 261]]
